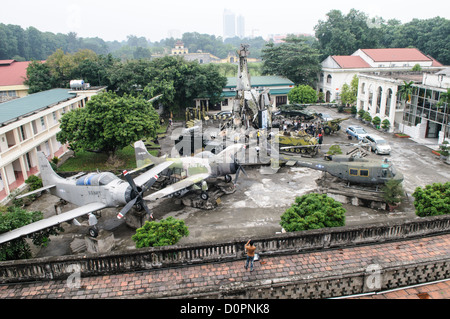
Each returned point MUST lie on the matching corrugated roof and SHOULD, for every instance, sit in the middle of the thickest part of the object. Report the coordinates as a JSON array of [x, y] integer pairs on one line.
[[350, 61], [396, 55], [270, 80], [12, 110]]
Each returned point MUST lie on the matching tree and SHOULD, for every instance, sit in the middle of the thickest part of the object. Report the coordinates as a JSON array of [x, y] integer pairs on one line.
[[293, 59], [344, 34], [38, 77], [14, 217], [163, 233], [432, 200], [302, 94], [347, 96], [405, 91], [313, 211], [181, 81], [108, 123], [393, 191]]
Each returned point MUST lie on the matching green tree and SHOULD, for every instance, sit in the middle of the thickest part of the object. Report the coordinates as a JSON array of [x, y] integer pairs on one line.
[[38, 77], [14, 217], [313, 211], [163, 233], [405, 91], [108, 123], [293, 59], [302, 94], [344, 34], [181, 82], [432, 200]]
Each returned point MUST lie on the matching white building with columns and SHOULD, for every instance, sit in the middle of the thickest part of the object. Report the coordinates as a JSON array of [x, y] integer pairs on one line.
[[425, 116], [30, 124], [338, 70]]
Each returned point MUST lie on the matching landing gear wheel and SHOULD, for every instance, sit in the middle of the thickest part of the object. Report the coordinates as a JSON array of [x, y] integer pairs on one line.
[[228, 178], [204, 196], [93, 231]]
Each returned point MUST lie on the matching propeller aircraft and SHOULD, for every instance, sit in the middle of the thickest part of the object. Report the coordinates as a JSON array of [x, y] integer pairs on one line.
[[194, 171], [91, 192]]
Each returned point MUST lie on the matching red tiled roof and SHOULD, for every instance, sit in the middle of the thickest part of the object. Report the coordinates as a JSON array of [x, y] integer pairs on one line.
[[435, 62], [350, 62], [6, 62], [396, 55], [12, 72]]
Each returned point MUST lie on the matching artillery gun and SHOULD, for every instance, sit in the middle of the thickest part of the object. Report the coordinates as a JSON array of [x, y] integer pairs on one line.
[[333, 126]]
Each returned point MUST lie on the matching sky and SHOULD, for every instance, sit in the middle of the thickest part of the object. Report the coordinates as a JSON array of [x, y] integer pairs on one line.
[[114, 20]]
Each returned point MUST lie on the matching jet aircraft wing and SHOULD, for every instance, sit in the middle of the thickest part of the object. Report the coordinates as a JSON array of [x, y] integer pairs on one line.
[[178, 186], [51, 221]]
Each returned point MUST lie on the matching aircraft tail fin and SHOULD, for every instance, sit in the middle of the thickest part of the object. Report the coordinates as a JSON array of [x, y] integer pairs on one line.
[[48, 175], [143, 157]]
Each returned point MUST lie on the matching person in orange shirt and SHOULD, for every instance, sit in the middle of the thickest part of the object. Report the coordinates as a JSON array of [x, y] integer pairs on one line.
[[250, 248]]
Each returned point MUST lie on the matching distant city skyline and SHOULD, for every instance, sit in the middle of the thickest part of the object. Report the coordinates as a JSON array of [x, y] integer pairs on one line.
[[115, 20]]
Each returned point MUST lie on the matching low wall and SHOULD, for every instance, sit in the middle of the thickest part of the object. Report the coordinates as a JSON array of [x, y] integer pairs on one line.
[[153, 258]]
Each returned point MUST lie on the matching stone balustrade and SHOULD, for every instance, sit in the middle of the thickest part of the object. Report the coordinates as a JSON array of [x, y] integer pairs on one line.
[[170, 256]]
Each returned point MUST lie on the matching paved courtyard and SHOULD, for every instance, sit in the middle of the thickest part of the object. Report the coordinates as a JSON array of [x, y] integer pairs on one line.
[[254, 210]]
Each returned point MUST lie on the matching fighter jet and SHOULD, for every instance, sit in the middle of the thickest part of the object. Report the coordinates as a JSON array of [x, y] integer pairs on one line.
[[192, 171], [91, 192]]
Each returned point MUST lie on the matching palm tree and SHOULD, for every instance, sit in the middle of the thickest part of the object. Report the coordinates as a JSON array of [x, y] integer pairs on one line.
[[406, 90]]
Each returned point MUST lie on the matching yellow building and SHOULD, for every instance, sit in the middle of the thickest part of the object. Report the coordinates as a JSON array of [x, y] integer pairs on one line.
[[180, 49], [30, 124]]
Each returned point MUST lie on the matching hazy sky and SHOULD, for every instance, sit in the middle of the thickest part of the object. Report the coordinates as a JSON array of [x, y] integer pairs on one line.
[[114, 20]]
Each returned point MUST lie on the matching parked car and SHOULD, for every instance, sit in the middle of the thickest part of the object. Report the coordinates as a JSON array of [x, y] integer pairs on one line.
[[356, 132], [377, 144]]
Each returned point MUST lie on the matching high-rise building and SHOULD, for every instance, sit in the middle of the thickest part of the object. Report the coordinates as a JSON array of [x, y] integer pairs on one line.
[[240, 26], [229, 24]]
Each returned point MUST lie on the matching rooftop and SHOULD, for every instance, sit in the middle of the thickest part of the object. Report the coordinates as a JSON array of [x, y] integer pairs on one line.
[[350, 61], [13, 110], [261, 81], [13, 72], [396, 55]]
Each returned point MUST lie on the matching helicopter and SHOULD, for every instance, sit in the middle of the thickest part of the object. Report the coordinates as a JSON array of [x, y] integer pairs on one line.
[[353, 168]]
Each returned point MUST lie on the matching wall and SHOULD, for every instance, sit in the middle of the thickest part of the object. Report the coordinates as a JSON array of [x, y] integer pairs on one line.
[[171, 256]]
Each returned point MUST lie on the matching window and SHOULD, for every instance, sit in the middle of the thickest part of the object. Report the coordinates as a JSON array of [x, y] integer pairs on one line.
[[22, 133], [364, 172], [329, 79], [353, 172]]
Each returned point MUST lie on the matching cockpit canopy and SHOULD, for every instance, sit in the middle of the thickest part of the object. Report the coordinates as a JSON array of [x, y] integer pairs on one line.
[[96, 179]]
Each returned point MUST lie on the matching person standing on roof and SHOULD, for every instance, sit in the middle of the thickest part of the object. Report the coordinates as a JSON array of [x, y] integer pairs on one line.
[[250, 249]]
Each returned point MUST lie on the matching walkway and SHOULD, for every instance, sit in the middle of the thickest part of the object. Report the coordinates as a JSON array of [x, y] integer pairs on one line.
[[187, 281]]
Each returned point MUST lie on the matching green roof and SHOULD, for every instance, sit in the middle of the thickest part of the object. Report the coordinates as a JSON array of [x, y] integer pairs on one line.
[[270, 80], [13, 110]]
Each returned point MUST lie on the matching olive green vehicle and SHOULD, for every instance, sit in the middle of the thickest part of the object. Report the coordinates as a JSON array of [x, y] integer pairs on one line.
[[297, 142]]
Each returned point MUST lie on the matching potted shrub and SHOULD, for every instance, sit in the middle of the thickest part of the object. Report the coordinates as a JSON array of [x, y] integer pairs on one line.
[[376, 122], [393, 193], [385, 125], [361, 113], [367, 118], [444, 150], [353, 111]]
